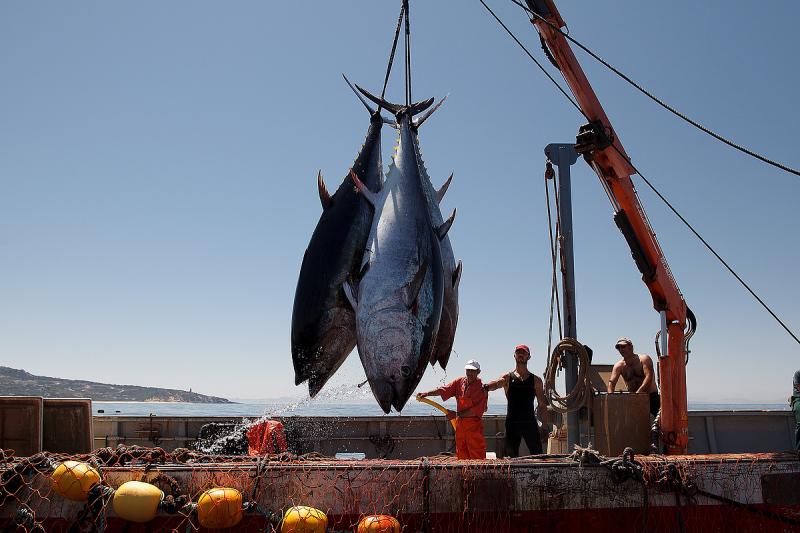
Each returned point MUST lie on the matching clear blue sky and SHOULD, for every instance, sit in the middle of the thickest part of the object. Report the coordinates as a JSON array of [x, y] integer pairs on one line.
[[158, 164]]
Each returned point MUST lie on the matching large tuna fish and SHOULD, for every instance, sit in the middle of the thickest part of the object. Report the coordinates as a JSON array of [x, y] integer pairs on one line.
[[323, 322], [451, 270], [398, 299]]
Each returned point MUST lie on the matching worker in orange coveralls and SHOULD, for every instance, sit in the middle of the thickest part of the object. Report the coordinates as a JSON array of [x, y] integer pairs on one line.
[[471, 402]]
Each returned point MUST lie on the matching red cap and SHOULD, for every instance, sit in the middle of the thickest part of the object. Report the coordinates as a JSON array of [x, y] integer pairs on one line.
[[523, 347]]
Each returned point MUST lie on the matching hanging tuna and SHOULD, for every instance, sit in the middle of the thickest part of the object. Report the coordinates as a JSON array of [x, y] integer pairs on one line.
[[323, 322], [399, 292], [450, 270]]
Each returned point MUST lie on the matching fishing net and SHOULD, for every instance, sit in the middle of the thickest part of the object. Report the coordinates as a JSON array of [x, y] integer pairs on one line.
[[304, 493]]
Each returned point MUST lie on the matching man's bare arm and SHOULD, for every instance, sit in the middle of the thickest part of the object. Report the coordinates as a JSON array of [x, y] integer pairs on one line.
[[541, 404], [647, 367], [434, 392], [612, 381], [496, 384]]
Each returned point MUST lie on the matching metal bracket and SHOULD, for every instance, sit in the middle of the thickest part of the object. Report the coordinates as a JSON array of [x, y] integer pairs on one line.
[[591, 137]]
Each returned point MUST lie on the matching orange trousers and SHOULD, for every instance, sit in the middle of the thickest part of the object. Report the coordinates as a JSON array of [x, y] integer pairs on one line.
[[470, 443]]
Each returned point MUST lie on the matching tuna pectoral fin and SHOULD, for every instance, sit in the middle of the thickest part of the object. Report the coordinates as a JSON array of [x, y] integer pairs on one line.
[[413, 109], [443, 189], [457, 275], [411, 291], [350, 294], [324, 195], [442, 230], [371, 197]]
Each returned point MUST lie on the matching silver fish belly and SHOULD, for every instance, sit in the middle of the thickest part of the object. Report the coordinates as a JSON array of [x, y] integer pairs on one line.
[[399, 297]]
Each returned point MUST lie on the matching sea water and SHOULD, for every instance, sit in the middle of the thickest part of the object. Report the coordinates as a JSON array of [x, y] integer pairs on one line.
[[302, 407]]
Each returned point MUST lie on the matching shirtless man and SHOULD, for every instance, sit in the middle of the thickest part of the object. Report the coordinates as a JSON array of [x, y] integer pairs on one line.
[[638, 373]]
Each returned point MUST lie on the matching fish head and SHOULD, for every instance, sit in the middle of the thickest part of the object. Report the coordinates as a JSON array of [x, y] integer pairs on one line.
[[319, 348], [390, 352]]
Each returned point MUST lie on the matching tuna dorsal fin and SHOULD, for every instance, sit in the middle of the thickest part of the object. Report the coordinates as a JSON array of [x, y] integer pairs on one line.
[[443, 189], [414, 286], [431, 111], [350, 294], [370, 196], [324, 195], [457, 275], [442, 230]]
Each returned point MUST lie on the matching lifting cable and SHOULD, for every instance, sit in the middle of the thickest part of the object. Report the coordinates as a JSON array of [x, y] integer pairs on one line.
[[554, 242], [394, 49], [403, 16], [659, 101], [408, 53], [649, 184]]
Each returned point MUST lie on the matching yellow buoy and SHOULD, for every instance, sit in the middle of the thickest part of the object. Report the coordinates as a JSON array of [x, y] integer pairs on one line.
[[379, 523], [136, 501], [219, 507], [73, 479], [302, 519]]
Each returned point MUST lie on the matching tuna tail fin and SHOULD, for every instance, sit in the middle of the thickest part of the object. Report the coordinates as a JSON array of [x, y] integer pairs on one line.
[[372, 112], [395, 109], [442, 230], [370, 196], [431, 111], [443, 189], [324, 195]]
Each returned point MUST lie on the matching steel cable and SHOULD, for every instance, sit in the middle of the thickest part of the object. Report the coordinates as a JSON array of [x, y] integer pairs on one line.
[[710, 248], [394, 49], [661, 102], [660, 196], [554, 300], [524, 49]]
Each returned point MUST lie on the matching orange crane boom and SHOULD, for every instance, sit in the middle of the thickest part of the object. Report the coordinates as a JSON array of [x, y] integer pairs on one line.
[[603, 151]]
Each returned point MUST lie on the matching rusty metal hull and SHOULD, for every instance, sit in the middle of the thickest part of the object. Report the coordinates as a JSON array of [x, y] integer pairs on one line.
[[746, 492]]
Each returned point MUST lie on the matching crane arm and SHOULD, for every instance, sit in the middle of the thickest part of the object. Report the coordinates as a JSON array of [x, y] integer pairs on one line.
[[603, 151]]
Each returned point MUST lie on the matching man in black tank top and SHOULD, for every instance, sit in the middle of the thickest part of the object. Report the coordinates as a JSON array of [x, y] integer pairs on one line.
[[521, 387]]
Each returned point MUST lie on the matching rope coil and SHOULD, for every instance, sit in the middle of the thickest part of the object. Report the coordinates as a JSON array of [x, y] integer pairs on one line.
[[575, 398]]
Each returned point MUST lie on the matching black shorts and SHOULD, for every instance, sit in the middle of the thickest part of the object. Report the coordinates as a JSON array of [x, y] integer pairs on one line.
[[516, 431], [655, 403]]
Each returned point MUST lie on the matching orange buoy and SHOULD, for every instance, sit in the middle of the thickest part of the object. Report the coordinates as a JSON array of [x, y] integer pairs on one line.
[[219, 508], [378, 523], [302, 519], [73, 479]]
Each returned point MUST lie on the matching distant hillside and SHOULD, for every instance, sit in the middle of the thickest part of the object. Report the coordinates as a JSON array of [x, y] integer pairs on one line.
[[15, 382]]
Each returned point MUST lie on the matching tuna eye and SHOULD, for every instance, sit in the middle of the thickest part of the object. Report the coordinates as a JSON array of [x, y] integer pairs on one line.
[[405, 370]]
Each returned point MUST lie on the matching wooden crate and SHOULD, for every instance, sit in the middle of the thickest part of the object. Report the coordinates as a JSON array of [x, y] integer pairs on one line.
[[621, 419], [21, 424]]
